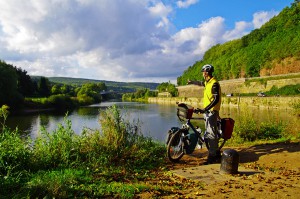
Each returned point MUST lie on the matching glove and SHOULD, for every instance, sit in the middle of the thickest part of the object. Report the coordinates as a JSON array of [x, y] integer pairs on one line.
[[202, 111], [198, 110]]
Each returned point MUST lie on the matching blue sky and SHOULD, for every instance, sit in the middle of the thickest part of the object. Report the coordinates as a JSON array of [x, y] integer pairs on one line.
[[122, 40]]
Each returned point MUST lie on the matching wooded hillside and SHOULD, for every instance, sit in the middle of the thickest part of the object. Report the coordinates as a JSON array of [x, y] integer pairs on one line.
[[273, 49], [111, 85]]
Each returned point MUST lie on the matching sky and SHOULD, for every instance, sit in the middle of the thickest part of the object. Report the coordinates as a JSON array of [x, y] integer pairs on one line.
[[122, 40]]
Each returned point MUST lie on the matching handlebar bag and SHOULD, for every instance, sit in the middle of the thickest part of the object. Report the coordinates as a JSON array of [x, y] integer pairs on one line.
[[185, 111], [227, 125]]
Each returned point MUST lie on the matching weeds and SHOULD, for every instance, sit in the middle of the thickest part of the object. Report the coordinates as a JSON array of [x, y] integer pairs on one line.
[[62, 164], [248, 129]]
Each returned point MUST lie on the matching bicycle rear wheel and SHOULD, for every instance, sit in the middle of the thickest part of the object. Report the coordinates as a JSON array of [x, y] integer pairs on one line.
[[175, 147]]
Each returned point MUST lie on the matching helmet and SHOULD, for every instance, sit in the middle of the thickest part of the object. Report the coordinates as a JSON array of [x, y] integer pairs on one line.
[[207, 68]]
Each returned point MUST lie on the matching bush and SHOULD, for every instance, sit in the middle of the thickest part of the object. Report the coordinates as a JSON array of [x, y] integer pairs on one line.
[[56, 149], [270, 130], [247, 129], [124, 143], [61, 102], [63, 164]]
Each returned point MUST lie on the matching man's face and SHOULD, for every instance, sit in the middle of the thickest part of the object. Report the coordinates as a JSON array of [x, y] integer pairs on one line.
[[205, 75]]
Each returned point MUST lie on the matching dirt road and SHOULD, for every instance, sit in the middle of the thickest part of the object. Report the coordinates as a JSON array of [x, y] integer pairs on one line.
[[277, 174]]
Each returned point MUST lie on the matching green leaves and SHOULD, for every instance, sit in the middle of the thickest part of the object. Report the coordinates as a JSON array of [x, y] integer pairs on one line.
[[261, 49]]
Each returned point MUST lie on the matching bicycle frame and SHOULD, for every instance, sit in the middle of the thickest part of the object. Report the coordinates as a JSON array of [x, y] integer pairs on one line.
[[180, 141], [196, 131]]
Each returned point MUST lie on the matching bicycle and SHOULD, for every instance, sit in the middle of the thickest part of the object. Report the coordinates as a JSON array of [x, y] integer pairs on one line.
[[182, 141]]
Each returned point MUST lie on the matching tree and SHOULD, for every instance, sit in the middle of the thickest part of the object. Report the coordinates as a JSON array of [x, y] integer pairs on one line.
[[92, 90], [25, 84], [44, 87], [8, 86], [168, 87]]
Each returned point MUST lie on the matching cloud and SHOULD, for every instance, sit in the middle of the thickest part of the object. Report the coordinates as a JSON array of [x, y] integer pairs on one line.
[[186, 3], [119, 40], [241, 28], [260, 18]]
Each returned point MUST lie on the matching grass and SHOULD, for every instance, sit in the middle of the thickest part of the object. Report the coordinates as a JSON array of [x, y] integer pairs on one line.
[[116, 161], [108, 162]]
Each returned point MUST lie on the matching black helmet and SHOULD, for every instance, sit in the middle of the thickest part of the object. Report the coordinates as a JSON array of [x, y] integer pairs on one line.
[[207, 68]]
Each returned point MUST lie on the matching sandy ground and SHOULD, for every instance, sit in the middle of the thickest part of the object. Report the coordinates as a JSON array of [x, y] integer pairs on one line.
[[265, 171]]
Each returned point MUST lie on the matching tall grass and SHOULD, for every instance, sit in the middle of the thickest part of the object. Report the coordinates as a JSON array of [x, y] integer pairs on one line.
[[63, 164], [247, 128]]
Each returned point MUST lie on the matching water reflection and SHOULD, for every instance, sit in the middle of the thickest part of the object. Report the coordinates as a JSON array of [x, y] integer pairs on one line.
[[154, 119]]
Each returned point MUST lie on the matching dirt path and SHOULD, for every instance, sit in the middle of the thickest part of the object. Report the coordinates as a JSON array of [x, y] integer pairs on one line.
[[277, 176]]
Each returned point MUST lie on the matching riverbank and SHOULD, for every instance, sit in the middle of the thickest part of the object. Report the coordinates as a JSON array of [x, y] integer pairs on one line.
[[258, 102]]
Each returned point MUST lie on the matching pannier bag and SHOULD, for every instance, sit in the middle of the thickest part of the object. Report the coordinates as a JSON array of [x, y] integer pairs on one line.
[[185, 111], [227, 125]]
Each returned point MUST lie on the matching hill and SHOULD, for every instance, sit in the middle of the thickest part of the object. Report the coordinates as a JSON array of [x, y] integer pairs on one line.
[[111, 85], [271, 50]]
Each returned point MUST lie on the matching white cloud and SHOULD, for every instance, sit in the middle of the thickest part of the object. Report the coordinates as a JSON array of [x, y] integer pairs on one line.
[[119, 40], [186, 3], [241, 28], [260, 18], [162, 11]]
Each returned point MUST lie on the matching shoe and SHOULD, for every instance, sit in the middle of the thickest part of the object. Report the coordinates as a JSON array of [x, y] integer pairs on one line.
[[211, 160], [218, 156], [214, 159]]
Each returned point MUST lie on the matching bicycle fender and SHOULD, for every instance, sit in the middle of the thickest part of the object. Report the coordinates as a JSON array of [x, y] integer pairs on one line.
[[171, 132]]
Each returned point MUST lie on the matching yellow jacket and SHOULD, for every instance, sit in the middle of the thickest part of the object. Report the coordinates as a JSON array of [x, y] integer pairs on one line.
[[208, 95]]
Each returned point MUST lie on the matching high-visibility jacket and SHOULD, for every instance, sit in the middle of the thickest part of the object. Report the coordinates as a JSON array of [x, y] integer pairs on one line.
[[208, 95]]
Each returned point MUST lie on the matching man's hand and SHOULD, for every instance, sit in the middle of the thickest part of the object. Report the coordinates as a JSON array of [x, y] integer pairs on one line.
[[190, 82]]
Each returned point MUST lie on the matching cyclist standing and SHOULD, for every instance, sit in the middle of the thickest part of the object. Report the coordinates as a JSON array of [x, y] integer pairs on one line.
[[211, 104]]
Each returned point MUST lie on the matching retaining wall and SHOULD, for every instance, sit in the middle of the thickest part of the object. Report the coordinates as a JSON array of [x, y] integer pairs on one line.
[[260, 102]]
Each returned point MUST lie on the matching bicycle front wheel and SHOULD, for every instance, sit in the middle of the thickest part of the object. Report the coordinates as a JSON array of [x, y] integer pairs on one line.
[[175, 146]]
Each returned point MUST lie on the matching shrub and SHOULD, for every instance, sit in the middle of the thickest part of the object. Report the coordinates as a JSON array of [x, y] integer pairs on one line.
[[61, 102], [124, 143], [271, 130], [56, 149]]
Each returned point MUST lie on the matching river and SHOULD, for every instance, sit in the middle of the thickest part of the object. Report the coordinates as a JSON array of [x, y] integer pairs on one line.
[[155, 119]]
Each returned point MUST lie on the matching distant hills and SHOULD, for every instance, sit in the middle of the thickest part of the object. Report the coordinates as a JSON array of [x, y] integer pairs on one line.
[[111, 85], [272, 49]]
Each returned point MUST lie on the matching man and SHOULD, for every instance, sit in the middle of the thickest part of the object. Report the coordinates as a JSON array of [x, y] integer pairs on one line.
[[211, 104]]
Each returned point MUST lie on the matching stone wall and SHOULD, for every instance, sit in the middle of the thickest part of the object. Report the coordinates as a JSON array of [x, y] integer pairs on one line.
[[259, 102], [241, 86]]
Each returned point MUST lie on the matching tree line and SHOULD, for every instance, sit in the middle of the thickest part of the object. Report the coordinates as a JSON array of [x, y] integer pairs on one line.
[[19, 90], [261, 49], [144, 94]]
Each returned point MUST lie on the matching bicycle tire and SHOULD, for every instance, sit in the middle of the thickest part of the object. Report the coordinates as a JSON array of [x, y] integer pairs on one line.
[[175, 147]]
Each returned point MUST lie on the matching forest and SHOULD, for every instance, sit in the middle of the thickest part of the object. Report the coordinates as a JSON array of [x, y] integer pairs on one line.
[[19, 90], [275, 44]]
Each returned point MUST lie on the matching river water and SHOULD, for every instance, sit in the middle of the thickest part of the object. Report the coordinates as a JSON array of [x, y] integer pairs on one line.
[[154, 119]]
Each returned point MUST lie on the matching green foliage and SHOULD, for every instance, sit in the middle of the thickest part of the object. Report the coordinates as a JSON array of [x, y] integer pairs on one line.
[[4, 114], [8, 85], [63, 164], [25, 85], [247, 56], [44, 87], [121, 138], [62, 102], [139, 95], [271, 130], [247, 129], [91, 90], [123, 87], [168, 87], [53, 150], [285, 91]]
